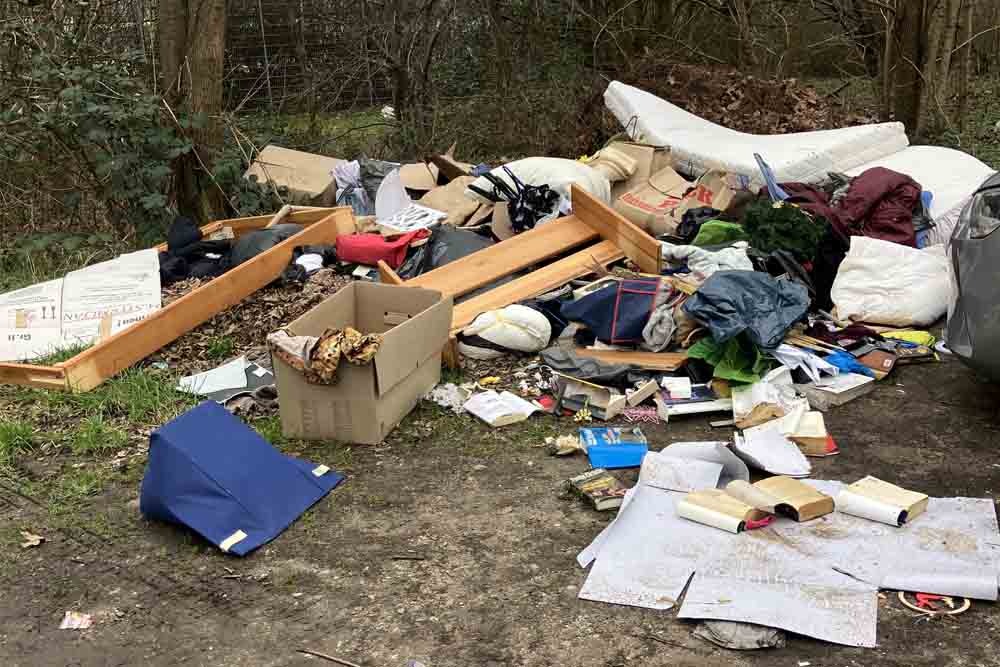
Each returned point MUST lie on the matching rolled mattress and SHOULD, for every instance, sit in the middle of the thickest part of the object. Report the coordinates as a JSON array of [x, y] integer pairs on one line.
[[698, 145]]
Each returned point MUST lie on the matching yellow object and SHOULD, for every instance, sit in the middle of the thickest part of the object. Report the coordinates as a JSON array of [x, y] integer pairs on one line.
[[487, 381], [912, 336]]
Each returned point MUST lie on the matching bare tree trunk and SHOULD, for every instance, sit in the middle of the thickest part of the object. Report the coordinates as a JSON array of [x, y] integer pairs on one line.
[[906, 81], [192, 43], [964, 56], [935, 23], [888, 62]]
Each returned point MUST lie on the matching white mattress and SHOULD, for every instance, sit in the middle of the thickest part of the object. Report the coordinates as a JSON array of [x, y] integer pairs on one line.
[[950, 175], [698, 145]]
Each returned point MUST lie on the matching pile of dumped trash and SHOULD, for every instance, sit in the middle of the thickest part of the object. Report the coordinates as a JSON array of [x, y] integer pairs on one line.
[[686, 269]]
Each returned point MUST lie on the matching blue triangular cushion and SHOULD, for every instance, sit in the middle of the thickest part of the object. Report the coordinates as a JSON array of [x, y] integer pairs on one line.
[[214, 474]]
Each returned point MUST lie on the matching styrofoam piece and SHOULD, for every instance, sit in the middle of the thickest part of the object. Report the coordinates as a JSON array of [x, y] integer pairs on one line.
[[698, 145], [950, 175]]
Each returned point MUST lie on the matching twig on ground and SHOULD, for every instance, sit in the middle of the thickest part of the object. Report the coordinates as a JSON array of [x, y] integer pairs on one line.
[[339, 661]]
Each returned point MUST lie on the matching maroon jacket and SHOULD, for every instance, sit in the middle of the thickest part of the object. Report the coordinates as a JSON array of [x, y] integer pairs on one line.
[[879, 203]]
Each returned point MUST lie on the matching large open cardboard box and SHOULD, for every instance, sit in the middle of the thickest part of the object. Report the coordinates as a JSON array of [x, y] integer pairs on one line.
[[367, 401]]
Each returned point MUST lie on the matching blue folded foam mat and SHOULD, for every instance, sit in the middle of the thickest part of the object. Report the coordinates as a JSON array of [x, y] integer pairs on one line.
[[209, 471]]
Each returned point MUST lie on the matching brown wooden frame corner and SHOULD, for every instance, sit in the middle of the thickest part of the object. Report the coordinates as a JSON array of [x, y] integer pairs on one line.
[[108, 357]]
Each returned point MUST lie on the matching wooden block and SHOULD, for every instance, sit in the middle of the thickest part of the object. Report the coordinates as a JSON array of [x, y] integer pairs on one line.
[[450, 356], [637, 245], [31, 375], [483, 267], [96, 364], [535, 283], [387, 275], [653, 361], [279, 216]]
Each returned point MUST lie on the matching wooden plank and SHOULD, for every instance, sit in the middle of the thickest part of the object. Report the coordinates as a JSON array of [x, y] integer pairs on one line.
[[637, 245], [92, 366], [501, 259], [537, 282], [387, 275], [30, 375], [654, 361]]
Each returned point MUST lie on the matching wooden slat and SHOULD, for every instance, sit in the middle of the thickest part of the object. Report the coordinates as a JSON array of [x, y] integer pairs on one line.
[[537, 282], [304, 217], [637, 245], [91, 367], [30, 375], [484, 266], [654, 361], [387, 275]]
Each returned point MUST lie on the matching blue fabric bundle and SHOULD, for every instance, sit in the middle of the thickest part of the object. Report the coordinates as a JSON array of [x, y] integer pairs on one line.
[[209, 471]]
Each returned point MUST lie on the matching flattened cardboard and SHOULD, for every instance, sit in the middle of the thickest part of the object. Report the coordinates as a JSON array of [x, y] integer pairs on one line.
[[420, 176], [451, 199], [308, 177], [368, 401]]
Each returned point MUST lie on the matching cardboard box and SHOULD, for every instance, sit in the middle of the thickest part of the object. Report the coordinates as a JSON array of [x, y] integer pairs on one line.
[[368, 401], [308, 177], [649, 160], [649, 204], [658, 205]]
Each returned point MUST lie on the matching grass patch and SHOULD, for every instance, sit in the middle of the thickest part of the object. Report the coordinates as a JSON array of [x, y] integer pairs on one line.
[[141, 396], [16, 437], [221, 348], [95, 435], [61, 354], [75, 486]]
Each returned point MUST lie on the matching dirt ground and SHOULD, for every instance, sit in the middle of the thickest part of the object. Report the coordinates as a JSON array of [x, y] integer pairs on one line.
[[451, 544]]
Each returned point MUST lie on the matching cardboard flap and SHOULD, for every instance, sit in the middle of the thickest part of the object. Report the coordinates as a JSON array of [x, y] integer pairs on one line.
[[669, 182], [416, 324]]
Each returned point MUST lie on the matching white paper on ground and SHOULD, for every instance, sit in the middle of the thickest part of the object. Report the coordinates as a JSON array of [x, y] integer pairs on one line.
[[231, 375], [759, 581], [775, 388], [492, 407], [649, 553], [769, 450], [788, 575], [843, 382], [812, 365], [714, 452], [952, 549], [672, 473]]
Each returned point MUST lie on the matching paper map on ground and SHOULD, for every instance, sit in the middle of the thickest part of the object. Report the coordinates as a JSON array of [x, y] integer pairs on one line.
[[82, 307]]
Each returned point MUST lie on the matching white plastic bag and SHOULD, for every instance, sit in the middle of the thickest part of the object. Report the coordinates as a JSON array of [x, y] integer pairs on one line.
[[558, 173], [881, 282], [516, 328]]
